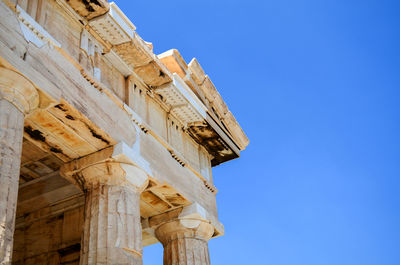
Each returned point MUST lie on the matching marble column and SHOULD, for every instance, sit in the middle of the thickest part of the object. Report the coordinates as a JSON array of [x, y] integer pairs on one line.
[[112, 227], [185, 241], [17, 98]]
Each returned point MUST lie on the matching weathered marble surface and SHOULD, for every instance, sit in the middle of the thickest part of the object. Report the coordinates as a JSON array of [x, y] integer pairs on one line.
[[11, 129], [112, 229], [17, 97], [185, 243]]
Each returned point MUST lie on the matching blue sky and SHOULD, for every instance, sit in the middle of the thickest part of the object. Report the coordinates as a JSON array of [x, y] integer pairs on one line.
[[316, 87]]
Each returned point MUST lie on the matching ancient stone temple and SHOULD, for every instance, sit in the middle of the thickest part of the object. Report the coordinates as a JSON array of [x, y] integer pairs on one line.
[[105, 147]]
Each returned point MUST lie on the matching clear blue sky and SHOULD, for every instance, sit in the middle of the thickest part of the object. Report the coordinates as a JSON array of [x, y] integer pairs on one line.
[[316, 87]]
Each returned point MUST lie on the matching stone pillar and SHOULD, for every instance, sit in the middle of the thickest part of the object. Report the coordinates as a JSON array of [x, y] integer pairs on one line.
[[112, 227], [185, 241], [112, 230], [17, 98]]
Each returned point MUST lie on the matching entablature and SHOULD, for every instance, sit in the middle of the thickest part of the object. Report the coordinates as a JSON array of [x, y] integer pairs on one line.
[[114, 58], [212, 124]]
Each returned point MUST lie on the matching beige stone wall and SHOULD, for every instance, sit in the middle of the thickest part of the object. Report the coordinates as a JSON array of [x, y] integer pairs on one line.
[[137, 98], [205, 164], [191, 151], [157, 118], [112, 78], [175, 134]]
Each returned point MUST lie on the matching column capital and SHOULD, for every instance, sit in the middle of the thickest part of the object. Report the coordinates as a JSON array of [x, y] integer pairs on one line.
[[176, 229], [190, 217], [110, 166], [184, 235], [18, 90]]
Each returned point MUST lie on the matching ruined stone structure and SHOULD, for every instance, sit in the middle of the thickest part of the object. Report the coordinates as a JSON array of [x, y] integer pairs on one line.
[[105, 147]]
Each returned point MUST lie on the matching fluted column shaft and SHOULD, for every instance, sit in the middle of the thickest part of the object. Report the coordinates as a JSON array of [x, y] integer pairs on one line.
[[186, 251], [17, 97], [11, 130], [112, 229], [185, 245]]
